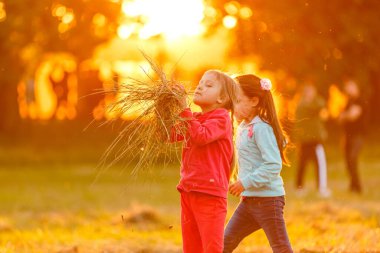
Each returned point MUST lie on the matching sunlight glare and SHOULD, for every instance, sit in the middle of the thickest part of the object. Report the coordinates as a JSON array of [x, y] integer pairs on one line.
[[124, 31], [99, 19], [171, 18], [337, 101], [52, 91], [68, 18], [58, 10], [229, 22], [245, 12], [3, 13], [232, 8]]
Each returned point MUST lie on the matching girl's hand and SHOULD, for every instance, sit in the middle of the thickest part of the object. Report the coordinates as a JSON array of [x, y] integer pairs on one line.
[[180, 90], [236, 188]]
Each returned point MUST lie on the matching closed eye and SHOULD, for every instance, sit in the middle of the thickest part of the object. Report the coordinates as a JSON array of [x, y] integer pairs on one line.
[[208, 83]]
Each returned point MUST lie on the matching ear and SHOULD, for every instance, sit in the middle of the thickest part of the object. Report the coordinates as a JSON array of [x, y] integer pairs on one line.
[[221, 99], [254, 101]]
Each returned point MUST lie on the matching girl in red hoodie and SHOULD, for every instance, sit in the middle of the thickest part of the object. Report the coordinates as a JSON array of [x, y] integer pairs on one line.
[[207, 156]]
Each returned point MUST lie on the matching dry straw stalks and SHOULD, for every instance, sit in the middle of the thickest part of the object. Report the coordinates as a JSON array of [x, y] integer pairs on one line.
[[145, 140]]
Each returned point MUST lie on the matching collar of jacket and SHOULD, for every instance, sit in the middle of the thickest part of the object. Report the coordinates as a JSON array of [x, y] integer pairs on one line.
[[256, 119], [207, 114]]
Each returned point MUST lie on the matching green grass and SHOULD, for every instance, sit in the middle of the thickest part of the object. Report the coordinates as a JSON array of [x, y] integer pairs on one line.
[[49, 202]]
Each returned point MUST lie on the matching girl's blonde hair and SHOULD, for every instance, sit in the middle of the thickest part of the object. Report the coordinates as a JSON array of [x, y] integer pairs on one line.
[[229, 89]]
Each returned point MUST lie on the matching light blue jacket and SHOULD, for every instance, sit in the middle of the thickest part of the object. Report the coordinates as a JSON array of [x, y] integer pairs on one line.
[[259, 160]]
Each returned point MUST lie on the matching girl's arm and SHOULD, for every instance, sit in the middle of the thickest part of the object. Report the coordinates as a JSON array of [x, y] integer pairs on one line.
[[208, 131], [352, 114], [200, 133], [271, 167]]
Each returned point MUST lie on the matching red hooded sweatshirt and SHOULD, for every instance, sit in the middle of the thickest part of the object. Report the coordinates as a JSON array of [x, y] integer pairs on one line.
[[207, 152]]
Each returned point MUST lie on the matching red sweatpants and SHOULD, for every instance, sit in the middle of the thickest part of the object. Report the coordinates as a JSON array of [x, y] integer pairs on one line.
[[202, 218]]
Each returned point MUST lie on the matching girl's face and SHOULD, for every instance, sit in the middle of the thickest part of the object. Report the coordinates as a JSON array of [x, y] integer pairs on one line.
[[245, 107], [207, 95]]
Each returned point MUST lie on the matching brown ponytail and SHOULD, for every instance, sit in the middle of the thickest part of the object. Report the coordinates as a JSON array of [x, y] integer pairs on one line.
[[250, 85]]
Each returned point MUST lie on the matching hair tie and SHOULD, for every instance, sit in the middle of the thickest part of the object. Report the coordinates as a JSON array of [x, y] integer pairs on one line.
[[266, 84]]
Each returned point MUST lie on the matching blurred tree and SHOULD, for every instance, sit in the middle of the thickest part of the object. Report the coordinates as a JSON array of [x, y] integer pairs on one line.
[[312, 39], [300, 38], [31, 29]]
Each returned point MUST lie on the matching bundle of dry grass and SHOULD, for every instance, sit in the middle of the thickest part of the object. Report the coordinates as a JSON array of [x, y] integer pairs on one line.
[[155, 101]]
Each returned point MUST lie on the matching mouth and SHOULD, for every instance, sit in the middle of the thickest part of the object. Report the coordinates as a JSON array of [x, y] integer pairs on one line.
[[197, 94]]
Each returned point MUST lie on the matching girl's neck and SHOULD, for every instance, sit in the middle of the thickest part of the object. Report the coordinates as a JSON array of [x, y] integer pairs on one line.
[[206, 109], [251, 117]]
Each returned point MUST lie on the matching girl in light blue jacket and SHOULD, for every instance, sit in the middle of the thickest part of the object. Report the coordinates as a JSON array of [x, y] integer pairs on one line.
[[260, 146]]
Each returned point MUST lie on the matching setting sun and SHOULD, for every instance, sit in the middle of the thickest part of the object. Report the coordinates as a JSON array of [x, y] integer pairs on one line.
[[170, 18]]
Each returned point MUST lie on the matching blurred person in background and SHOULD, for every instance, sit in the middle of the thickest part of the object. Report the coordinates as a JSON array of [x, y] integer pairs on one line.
[[310, 133], [354, 122]]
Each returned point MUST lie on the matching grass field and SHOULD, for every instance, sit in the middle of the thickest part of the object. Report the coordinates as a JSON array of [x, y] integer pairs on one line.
[[49, 202]]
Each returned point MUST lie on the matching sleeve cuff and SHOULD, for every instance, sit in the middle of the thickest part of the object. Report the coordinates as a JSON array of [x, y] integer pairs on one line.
[[245, 182], [186, 114]]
